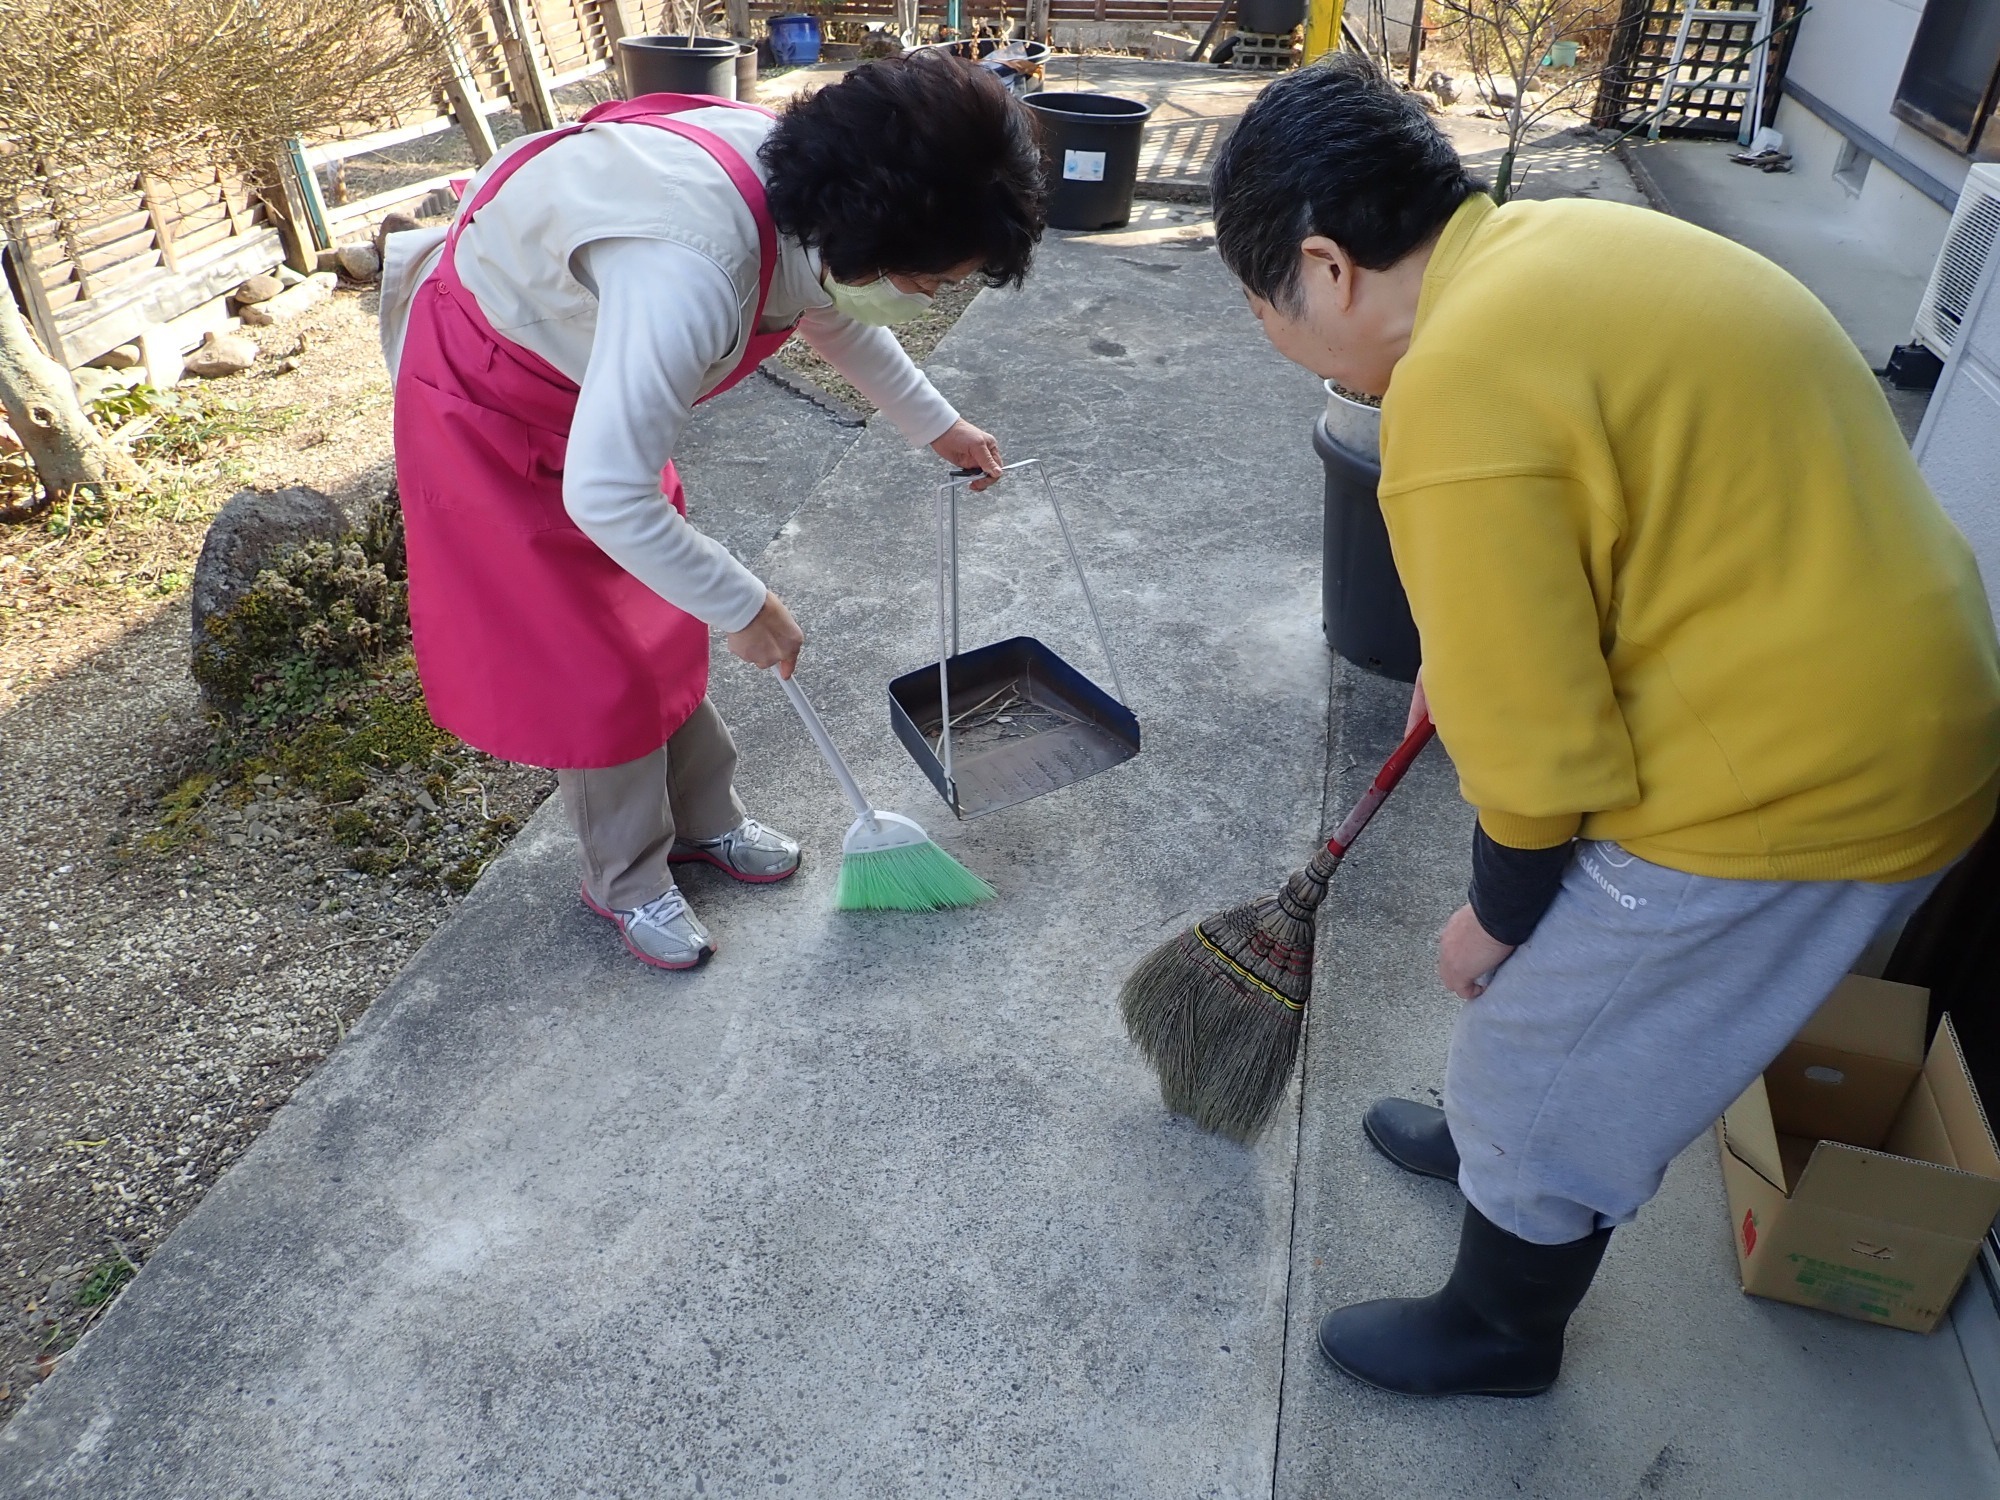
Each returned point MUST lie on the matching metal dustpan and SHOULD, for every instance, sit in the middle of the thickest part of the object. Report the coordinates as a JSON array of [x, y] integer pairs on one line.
[[1004, 723]]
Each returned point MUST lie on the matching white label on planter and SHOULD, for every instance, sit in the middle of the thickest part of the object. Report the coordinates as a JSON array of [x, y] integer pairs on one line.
[[1083, 166]]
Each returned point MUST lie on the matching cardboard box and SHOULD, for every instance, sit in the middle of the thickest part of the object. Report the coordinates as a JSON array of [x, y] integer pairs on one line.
[[1862, 1174]]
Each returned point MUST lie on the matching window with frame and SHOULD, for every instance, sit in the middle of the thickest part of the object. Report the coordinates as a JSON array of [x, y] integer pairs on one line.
[[1952, 78]]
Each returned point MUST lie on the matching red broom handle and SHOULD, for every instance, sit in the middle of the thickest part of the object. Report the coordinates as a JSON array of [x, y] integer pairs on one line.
[[1385, 781]]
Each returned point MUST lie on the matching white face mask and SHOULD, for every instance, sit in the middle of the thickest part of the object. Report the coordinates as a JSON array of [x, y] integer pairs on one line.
[[881, 302]]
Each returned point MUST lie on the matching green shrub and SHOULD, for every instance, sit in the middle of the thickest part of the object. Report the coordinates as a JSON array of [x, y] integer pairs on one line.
[[317, 618]]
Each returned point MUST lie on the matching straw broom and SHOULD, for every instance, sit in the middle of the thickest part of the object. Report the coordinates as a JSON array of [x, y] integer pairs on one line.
[[1219, 1008]]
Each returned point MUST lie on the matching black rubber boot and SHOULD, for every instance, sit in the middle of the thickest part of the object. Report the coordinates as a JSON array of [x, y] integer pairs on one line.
[[1496, 1328], [1413, 1136]]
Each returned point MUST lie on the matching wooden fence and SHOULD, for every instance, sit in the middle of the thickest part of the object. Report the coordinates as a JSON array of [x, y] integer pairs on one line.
[[131, 254]]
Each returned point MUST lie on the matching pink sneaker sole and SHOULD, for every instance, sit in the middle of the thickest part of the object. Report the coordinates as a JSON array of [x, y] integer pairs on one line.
[[703, 857], [644, 958]]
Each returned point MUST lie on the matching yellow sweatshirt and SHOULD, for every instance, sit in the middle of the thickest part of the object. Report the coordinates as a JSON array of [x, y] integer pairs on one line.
[[1678, 580]]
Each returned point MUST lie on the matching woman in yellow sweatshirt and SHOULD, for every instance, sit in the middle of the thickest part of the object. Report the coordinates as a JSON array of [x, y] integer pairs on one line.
[[1713, 666]]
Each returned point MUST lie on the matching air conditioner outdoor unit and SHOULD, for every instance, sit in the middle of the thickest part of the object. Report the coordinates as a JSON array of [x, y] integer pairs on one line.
[[1968, 245]]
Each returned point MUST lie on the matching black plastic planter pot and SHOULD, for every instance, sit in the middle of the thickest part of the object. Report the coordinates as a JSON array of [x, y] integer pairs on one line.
[[678, 65], [1091, 142], [1367, 614], [1269, 17]]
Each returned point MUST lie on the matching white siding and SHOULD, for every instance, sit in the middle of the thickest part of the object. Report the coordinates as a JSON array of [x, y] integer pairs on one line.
[[1850, 55]]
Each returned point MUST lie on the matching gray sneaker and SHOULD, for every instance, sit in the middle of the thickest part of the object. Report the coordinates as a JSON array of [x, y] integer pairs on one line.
[[663, 932], [749, 851]]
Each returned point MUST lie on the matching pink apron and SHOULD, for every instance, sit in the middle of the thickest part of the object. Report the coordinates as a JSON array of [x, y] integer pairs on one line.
[[531, 643]]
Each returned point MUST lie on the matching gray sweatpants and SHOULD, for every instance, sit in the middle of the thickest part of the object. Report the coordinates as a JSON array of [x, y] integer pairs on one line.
[[1643, 1005]]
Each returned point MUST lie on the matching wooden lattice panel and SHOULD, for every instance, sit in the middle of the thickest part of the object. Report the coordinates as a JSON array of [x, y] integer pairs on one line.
[[1717, 53]]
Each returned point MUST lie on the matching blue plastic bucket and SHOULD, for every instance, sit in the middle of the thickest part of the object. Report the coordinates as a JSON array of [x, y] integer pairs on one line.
[[794, 40]]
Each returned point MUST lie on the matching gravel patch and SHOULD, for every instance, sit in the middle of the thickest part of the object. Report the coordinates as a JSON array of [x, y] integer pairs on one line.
[[160, 1003]]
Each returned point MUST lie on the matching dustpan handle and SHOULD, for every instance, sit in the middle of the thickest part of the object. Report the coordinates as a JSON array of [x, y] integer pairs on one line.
[[947, 496], [959, 476], [1076, 562]]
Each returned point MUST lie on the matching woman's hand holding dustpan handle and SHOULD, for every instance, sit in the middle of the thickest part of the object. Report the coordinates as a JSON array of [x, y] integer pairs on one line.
[[970, 451]]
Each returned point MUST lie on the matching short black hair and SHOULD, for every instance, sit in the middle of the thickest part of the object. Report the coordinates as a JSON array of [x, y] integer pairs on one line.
[[913, 164], [1335, 149]]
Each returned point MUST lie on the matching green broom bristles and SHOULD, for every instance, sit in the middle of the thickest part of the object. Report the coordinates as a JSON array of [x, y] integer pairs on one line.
[[1218, 1009], [915, 877]]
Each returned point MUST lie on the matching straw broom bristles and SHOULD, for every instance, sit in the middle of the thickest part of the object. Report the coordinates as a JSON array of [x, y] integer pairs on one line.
[[1219, 1008]]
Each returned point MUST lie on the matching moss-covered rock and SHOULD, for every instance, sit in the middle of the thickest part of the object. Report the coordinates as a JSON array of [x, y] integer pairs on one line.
[[313, 619]]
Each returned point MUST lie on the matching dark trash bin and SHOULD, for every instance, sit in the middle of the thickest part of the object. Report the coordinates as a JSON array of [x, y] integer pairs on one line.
[[1269, 17], [1366, 614], [1091, 143], [678, 65]]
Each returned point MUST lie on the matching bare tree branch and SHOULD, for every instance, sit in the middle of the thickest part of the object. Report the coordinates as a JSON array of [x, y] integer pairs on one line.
[[1506, 42]]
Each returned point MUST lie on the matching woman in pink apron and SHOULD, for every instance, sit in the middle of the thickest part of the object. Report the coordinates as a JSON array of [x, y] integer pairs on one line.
[[599, 282]]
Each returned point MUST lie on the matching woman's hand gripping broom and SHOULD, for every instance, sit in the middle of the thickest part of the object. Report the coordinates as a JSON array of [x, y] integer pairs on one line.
[[887, 862], [1218, 1009]]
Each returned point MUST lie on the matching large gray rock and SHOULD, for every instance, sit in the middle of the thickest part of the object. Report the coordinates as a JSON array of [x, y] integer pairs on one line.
[[247, 536], [359, 262], [92, 382], [222, 354], [293, 302], [259, 288], [398, 222]]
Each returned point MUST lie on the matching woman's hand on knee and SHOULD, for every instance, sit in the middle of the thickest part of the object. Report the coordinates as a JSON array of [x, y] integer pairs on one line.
[[772, 639], [1468, 955]]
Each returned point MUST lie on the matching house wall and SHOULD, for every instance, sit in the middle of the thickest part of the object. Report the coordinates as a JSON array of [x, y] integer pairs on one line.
[[1849, 57]]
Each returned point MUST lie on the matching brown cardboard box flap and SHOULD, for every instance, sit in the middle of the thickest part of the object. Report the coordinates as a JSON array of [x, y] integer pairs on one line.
[[1847, 1074], [1920, 1132], [1872, 1018], [1749, 1135], [1944, 1200], [1831, 1094], [1965, 1121]]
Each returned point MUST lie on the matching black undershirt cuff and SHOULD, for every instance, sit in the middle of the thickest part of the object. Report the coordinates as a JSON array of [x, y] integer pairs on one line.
[[1513, 888]]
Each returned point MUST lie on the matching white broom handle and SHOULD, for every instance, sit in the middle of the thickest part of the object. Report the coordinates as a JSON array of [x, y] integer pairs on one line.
[[810, 718]]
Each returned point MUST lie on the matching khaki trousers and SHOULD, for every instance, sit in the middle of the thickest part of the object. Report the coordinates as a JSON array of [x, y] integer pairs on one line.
[[627, 817]]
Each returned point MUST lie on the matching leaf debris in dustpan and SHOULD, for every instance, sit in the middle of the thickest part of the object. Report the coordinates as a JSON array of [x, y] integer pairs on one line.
[[1007, 714]]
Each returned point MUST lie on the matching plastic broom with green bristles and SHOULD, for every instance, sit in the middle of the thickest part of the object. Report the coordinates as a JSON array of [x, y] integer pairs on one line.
[[888, 862]]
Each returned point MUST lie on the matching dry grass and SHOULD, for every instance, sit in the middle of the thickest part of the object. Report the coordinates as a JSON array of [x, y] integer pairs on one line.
[[96, 87], [314, 410]]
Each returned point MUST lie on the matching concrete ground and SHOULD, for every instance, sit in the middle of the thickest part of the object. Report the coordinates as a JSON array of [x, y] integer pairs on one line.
[[1801, 220], [884, 1206], [872, 1206]]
